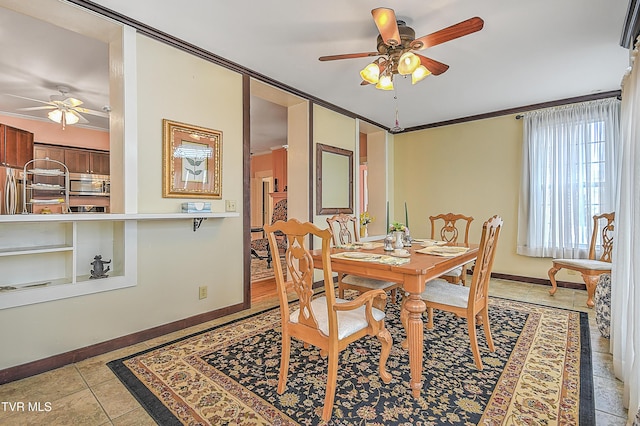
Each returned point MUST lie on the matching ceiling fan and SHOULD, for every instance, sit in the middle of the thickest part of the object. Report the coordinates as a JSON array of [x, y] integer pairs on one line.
[[63, 108], [396, 46]]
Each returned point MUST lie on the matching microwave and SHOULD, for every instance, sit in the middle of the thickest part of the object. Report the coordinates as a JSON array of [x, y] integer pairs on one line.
[[89, 184]]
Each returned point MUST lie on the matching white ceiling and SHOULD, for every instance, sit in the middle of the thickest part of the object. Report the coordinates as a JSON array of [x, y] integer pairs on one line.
[[527, 53]]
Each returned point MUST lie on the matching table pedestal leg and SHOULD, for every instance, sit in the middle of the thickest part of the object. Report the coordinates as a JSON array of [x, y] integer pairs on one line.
[[415, 306]]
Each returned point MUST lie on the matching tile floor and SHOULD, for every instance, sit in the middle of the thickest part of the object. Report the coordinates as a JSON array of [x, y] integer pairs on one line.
[[87, 393]]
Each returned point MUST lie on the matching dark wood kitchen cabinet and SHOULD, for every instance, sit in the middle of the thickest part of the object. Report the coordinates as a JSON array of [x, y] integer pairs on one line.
[[77, 160], [16, 146], [99, 162], [42, 152], [86, 161]]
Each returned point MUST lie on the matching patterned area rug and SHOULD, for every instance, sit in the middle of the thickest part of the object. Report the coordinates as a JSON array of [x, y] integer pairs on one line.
[[540, 374], [259, 270]]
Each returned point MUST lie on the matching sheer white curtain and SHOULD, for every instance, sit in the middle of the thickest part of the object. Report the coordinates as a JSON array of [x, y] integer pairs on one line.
[[568, 175], [625, 279]]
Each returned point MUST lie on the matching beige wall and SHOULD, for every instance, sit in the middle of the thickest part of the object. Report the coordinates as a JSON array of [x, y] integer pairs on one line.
[[333, 129], [377, 185], [173, 260], [470, 168], [298, 161]]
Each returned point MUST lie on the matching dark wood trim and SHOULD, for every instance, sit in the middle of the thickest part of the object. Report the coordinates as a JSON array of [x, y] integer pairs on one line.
[[531, 280], [40, 366], [311, 180], [549, 104], [246, 189], [53, 145], [541, 281], [631, 27]]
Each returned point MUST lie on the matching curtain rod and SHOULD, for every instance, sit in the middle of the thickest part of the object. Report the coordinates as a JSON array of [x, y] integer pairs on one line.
[[579, 99]]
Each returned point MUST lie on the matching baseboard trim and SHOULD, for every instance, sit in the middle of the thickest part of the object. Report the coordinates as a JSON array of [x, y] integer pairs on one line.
[[42, 365], [540, 281]]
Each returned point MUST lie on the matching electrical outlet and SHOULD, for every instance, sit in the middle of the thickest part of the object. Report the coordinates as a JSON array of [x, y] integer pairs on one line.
[[230, 205], [202, 292]]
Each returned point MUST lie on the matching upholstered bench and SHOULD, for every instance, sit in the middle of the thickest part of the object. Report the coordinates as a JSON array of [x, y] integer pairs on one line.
[[603, 304]]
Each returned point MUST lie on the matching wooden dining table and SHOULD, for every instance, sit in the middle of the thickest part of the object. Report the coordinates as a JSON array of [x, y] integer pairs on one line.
[[413, 277]]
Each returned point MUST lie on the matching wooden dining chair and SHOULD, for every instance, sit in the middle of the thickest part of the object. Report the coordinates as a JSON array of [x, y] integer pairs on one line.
[[448, 227], [326, 322], [590, 268], [344, 230], [469, 302]]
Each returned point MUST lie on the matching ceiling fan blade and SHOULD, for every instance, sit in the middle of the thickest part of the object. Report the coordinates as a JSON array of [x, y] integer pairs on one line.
[[385, 20], [37, 108], [450, 33], [90, 111], [348, 56], [30, 99], [432, 65], [73, 102]]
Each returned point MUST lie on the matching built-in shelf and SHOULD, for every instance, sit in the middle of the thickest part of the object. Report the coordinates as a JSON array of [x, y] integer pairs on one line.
[[34, 250], [47, 257]]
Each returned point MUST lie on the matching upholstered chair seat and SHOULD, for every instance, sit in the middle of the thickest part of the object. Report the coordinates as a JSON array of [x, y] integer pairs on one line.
[[349, 322]]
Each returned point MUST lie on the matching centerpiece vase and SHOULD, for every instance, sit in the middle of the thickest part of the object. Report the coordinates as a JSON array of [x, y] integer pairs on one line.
[[399, 243], [363, 231]]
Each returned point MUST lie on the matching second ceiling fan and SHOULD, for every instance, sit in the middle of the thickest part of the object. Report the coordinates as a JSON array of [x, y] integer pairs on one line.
[[63, 108], [396, 46]]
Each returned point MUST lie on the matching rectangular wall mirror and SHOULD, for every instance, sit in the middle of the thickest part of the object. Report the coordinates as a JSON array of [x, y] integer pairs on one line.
[[334, 180]]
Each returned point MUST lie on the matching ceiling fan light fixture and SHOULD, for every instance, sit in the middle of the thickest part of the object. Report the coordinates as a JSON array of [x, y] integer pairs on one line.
[[385, 83], [70, 118], [419, 74], [408, 63], [58, 115], [371, 73], [55, 115]]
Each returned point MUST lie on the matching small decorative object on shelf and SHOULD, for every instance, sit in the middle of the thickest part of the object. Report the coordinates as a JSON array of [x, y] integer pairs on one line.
[[201, 207], [98, 270]]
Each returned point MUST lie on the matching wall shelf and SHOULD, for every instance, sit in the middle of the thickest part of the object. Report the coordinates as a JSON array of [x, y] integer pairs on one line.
[[81, 217]]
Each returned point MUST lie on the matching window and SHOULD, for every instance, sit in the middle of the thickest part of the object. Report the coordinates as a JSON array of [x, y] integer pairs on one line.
[[568, 176]]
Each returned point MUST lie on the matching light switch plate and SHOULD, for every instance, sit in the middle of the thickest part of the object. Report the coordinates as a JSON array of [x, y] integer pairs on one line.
[[230, 205]]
